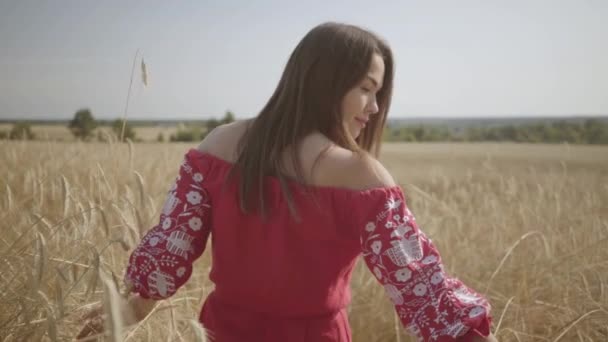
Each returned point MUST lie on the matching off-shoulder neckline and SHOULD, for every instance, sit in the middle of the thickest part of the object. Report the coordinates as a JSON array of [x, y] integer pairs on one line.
[[317, 188]]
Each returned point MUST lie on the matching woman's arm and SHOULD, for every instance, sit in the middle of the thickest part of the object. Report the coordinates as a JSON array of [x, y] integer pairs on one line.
[[162, 261], [431, 304]]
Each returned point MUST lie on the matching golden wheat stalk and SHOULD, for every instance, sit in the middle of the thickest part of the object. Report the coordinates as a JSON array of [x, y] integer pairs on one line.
[[112, 303], [144, 79], [66, 195], [144, 73]]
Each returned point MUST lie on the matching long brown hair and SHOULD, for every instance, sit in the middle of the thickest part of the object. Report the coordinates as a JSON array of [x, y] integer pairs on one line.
[[329, 61]]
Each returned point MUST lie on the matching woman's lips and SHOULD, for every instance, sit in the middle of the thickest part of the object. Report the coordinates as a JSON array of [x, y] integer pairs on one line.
[[361, 121]]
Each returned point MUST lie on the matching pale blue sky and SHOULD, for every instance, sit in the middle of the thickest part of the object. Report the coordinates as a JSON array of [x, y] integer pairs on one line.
[[453, 58]]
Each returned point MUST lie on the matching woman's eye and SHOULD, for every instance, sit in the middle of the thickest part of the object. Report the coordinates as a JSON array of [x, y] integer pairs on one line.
[[365, 89]]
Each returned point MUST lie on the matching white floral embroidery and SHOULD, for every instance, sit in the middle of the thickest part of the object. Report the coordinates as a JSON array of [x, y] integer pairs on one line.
[[161, 282], [166, 223], [180, 243], [186, 167], [431, 259], [154, 241], [195, 223], [403, 275], [197, 177], [420, 290], [194, 197], [392, 204], [376, 247], [401, 231], [408, 266], [405, 251], [465, 296], [476, 311], [157, 266], [455, 329], [436, 278]]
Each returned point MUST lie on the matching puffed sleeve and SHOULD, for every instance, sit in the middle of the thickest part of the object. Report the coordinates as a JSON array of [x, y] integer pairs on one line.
[[431, 305], [162, 262]]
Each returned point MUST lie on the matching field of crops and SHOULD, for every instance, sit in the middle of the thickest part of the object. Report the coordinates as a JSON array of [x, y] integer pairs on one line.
[[525, 224]]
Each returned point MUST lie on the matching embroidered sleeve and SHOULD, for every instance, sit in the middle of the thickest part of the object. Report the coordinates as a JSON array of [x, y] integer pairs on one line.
[[431, 305], [162, 262]]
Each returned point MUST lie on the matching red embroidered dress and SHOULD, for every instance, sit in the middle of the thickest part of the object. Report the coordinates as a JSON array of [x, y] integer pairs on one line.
[[289, 281]]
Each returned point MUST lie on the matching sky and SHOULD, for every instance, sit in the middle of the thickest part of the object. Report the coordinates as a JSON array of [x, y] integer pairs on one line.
[[461, 58]]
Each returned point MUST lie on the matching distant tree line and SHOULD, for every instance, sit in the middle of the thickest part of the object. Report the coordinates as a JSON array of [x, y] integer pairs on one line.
[[591, 131], [20, 131], [198, 132], [83, 126]]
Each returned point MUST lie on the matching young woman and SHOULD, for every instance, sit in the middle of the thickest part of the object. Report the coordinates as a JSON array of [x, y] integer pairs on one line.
[[291, 199]]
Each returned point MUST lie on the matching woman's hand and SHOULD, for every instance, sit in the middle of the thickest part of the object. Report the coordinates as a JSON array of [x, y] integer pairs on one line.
[[133, 310], [93, 325]]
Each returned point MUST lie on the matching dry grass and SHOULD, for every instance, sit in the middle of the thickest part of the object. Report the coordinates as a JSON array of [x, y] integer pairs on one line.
[[525, 224]]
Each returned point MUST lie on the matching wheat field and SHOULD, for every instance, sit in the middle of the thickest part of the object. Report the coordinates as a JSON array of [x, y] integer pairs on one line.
[[527, 225]]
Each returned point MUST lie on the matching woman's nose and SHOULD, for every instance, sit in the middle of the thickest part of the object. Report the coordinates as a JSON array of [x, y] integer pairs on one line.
[[372, 107]]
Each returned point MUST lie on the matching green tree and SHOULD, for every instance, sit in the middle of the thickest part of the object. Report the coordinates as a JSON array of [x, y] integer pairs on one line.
[[418, 133], [160, 137], [508, 132], [228, 118], [212, 123], [473, 133], [595, 132], [21, 131], [117, 129], [83, 124]]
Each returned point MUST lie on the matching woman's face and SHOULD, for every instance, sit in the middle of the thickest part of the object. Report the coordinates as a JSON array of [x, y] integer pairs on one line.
[[360, 103]]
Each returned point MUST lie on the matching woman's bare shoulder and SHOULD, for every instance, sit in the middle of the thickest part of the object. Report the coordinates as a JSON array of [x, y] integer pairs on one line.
[[337, 166], [222, 140], [354, 171]]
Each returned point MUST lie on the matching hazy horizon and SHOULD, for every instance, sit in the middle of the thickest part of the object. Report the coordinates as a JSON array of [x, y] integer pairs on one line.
[[470, 59], [391, 117]]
